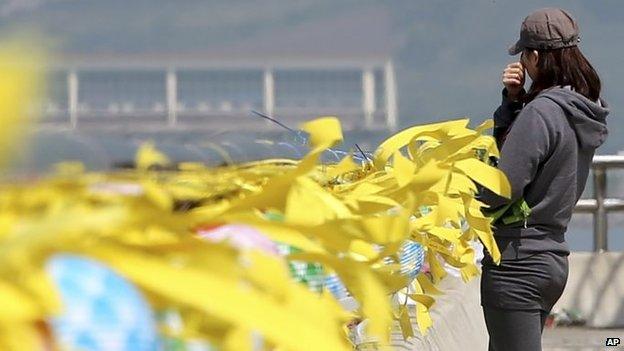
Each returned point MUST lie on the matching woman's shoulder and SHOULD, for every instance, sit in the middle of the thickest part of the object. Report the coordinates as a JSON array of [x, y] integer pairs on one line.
[[538, 108], [541, 112], [546, 98], [545, 104]]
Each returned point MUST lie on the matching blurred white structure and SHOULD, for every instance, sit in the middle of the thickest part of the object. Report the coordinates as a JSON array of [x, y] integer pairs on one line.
[[218, 93]]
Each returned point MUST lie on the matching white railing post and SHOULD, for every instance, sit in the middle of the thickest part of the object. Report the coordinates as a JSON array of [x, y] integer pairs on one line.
[[391, 96], [72, 98], [600, 215], [368, 96], [172, 97], [268, 93], [601, 205]]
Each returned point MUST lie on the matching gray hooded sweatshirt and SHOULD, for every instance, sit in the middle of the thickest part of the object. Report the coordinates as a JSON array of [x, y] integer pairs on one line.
[[547, 149]]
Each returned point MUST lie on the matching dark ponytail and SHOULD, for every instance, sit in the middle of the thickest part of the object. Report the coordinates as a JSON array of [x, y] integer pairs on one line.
[[566, 66]]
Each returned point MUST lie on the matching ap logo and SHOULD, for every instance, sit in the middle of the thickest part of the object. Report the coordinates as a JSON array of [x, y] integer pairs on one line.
[[612, 342]]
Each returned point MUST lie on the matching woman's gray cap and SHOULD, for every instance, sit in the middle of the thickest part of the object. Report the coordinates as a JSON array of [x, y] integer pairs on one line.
[[548, 28]]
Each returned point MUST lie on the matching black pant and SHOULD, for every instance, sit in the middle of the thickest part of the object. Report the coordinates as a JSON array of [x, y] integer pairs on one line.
[[514, 330]]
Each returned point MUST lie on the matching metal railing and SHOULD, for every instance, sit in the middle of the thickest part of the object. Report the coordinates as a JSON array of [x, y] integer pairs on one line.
[[600, 205], [181, 91]]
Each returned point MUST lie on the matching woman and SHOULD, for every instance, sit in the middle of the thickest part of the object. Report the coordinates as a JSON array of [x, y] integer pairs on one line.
[[548, 137]]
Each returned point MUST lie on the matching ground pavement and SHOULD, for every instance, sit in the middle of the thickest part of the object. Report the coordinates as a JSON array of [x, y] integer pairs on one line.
[[580, 339]]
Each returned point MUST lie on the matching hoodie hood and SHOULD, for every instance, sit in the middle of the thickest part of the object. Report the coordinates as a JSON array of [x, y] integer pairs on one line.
[[588, 118]]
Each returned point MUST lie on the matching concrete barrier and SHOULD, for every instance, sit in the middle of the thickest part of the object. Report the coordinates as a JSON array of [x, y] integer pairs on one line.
[[595, 288], [457, 321]]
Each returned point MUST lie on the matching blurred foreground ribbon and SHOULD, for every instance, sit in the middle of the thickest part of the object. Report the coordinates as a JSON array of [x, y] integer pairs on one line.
[[351, 219]]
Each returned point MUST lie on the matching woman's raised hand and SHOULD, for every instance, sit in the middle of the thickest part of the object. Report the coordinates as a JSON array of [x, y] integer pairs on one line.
[[513, 79]]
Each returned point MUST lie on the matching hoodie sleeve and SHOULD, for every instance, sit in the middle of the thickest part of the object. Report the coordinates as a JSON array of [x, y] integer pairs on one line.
[[527, 144], [504, 117]]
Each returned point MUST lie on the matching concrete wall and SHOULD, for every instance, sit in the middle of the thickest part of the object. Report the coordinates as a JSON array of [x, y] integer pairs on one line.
[[596, 288], [457, 321]]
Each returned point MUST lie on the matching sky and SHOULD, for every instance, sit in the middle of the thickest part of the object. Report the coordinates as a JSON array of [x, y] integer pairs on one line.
[[448, 54]]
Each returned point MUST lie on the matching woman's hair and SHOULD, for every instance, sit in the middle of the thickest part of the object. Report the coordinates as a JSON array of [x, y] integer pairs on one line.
[[565, 66]]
